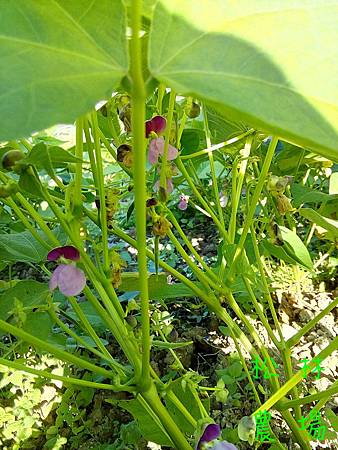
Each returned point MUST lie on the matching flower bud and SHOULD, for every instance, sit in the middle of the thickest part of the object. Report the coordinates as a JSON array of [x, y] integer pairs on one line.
[[284, 204], [4, 192], [194, 110], [151, 202], [125, 117], [161, 226], [125, 155], [10, 158], [131, 321]]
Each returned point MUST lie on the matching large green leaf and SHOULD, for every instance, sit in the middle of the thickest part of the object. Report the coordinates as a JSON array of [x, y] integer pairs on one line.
[[149, 425], [294, 247], [58, 57], [184, 392], [21, 247], [157, 285], [268, 63], [30, 293], [324, 222]]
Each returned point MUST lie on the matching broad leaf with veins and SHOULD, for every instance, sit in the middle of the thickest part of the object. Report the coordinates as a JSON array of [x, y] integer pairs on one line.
[[270, 63], [58, 57]]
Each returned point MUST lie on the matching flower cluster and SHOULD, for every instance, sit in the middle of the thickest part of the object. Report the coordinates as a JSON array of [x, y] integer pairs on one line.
[[153, 129]]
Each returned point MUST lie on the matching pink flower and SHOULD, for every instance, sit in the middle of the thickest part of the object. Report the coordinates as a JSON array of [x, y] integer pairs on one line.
[[183, 204], [156, 125], [170, 186], [156, 148], [67, 277]]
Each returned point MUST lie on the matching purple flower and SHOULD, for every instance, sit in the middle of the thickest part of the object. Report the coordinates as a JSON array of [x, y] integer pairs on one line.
[[67, 277], [67, 251], [224, 445], [156, 125], [156, 148], [211, 435], [183, 204]]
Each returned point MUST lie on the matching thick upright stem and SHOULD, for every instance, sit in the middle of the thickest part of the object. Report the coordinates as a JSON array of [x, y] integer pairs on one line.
[[138, 127]]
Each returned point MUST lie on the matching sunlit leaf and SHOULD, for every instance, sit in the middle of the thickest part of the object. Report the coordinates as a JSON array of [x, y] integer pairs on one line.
[[271, 64], [58, 58], [294, 247], [324, 222]]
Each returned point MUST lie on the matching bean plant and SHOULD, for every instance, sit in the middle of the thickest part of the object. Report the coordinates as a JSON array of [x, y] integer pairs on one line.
[[246, 89]]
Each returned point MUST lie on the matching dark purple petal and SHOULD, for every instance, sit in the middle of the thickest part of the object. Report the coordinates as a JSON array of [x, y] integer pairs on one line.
[[149, 127], [157, 124], [211, 432], [224, 445], [67, 251]]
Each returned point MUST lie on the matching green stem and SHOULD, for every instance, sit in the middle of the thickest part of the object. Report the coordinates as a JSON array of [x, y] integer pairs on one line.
[[63, 355], [297, 337], [65, 380], [286, 356], [77, 202], [177, 437], [254, 200], [101, 189], [245, 153], [259, 309], [163, 178], [301, 436], [266, 291], [173, 220], [197, 194], [38, 219], [297, 377], [181, 129], [90, 330], [235, 307], [77, 338], [212, 167], [324, 395], [138, 121], [160, 95], [218, 146], [198, 272], [91, 155], [26, 222], [211, 301], [245, 367]]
